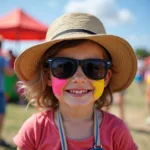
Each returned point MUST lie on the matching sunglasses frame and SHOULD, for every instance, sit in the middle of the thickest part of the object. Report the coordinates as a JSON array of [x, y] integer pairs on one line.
[[77, 63]]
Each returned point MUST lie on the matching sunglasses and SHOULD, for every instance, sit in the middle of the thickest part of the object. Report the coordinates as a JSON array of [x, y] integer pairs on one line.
[[63, 68]]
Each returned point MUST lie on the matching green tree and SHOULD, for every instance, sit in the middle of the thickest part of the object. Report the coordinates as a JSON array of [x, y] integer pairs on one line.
[[142, 52]]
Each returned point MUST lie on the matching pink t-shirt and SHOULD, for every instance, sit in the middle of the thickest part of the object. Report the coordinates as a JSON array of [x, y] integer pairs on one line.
[[39, 132]]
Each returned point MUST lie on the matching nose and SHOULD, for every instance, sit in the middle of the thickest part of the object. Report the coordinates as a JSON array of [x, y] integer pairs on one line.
[[79, 76]]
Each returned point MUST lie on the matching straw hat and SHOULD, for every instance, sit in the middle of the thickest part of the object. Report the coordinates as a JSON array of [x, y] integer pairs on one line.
[[82, 26]]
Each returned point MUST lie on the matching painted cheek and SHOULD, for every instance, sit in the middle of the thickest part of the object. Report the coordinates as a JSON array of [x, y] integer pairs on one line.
[[58, 85], [99, 88]]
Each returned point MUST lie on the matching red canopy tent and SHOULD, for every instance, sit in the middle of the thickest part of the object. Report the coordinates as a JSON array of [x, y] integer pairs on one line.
[[17, 25]]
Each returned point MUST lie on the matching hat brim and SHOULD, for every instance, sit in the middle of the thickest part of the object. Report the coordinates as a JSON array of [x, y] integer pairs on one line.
[[124, 63]]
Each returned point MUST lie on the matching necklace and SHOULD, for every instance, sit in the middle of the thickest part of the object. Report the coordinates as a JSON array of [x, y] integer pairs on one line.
[[97, 144]]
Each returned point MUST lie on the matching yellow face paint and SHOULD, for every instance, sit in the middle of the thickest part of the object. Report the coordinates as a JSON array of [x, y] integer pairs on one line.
[[99, 88]]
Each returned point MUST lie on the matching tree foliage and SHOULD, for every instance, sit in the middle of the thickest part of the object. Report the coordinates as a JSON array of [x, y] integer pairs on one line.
[[142, 52]]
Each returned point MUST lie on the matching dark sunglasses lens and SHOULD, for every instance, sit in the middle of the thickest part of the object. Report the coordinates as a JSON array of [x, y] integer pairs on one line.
[[62, 68], [95, 69]]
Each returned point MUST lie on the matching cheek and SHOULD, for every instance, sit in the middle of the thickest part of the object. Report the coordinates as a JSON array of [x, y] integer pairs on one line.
[[99, 88], [58, 85]]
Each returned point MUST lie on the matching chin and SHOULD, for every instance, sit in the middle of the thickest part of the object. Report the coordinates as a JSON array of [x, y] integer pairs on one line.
[[78, 103]]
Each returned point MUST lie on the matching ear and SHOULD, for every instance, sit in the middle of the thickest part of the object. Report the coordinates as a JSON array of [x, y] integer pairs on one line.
[[107, 78]]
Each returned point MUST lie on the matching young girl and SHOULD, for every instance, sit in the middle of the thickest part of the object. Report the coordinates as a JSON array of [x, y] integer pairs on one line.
[[73, 75]]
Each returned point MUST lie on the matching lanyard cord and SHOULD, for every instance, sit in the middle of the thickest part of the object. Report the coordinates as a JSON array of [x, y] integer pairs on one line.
[[61, 132], [96, 129], [97, 144]]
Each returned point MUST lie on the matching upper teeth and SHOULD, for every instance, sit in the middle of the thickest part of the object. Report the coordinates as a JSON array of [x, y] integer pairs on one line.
[[78, 91]]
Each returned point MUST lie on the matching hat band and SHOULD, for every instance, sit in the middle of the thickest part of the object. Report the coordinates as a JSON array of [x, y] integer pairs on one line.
[[73, 30]]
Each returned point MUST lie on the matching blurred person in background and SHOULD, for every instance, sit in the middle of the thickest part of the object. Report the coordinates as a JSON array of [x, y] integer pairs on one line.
[[119, 98], [139, 78], [147, 82], [12, 58], [4, 69]]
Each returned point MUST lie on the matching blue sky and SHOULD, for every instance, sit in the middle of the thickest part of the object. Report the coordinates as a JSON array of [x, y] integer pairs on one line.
[[129, 19]]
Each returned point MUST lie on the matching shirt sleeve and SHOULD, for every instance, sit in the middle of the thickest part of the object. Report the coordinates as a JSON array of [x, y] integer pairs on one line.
[[25, 138], [123, 139]]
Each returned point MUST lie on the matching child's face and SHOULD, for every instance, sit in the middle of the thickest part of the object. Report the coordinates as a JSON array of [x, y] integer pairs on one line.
[[79, 89]]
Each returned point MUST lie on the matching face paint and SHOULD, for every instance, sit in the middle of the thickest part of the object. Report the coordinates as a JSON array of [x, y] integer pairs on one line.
[[99, 88], [57, 85]]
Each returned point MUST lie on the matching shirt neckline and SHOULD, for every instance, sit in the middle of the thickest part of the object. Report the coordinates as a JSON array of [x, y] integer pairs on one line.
[[80, 141]]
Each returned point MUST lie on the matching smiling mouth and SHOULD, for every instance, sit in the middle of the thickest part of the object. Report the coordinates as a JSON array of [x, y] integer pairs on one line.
[[78, 92]]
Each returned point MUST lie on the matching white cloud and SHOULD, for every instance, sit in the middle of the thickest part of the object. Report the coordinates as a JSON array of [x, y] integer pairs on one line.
[[125, 15], [106, 10]]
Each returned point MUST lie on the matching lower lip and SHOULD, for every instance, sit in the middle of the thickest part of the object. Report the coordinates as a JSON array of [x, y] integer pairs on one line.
[[79, 95]]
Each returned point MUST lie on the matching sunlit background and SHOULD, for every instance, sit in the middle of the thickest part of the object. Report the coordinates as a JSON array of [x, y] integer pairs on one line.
[[129, 19]]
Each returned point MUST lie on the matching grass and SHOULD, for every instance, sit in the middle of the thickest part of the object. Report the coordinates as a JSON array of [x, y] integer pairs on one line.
[[135, 115]]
